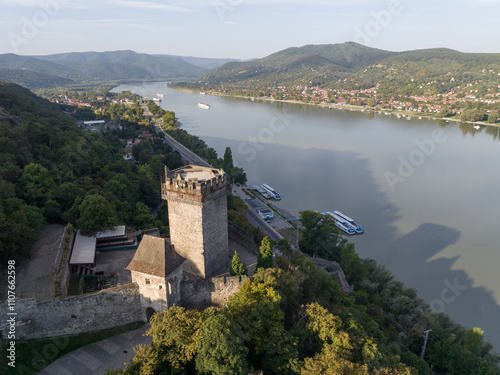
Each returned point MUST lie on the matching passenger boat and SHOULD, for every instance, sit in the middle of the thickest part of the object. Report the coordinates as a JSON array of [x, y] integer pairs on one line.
[[350, 222], [341, 223], [203, 106], [270, 191]]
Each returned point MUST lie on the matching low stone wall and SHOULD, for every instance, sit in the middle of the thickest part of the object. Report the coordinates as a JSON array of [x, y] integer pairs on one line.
[[57, 317], [210, 292], [241, 237]]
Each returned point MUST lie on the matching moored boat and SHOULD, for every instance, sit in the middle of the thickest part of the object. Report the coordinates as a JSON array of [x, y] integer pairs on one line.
[[342, 224], [350, 222]]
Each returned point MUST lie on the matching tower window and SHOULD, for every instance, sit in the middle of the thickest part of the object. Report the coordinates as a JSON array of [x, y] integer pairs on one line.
[[148, 282]]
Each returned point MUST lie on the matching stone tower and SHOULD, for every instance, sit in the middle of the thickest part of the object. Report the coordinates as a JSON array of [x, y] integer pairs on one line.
[[157, 269], [197, 215]]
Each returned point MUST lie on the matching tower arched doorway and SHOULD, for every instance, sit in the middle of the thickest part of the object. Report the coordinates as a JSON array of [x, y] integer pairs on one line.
[[149, 313]]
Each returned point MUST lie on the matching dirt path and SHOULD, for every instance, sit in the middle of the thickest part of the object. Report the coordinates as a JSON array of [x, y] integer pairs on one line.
[[35, 277]]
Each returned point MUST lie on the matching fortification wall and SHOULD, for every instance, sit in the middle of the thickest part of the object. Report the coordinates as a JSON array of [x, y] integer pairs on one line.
[[57, 317], [216, 291], [241, 237]]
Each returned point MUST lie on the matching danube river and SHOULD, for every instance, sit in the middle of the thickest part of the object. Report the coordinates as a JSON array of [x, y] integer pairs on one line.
[[426, 193]]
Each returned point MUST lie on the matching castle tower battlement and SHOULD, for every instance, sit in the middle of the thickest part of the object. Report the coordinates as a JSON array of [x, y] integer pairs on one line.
[[197, 215], [195, 183]]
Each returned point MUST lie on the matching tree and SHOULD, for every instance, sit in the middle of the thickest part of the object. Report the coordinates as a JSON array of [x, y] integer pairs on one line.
[[446, 112], [335, 354], [473, 115], [175, 333], [168, 120], [35, 183], [265, 256], [238, 176], [221, 348], [237, 268], [227, 163], [492, 118], [256, 308], [19, 227], [96, 214], [351, 263], [474, 339], [320, 236], [284, 246]]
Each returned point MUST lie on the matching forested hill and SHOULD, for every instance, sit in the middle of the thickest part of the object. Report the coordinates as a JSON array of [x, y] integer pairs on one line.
[[52, 171], [351, 65], [88, 67]]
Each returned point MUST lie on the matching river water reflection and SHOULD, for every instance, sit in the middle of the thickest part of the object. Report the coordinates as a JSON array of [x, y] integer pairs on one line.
[[425, 192]]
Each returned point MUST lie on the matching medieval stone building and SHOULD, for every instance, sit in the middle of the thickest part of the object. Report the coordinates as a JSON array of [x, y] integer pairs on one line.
[[197, 215], [157, 269], [198, 246]]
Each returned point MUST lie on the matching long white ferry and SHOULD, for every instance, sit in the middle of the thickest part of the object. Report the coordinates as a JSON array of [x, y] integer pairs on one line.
[[269, 190], [341, 223], [350, 222], [203, 106]]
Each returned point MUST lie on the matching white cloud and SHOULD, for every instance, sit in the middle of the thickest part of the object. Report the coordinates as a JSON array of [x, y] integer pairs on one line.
[[155, 5]]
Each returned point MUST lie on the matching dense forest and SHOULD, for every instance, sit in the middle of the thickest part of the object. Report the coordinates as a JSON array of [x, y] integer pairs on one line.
[[53, 171]]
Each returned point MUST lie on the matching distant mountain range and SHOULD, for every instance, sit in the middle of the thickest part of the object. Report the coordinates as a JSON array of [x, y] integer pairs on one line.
[[338, 66], [351, 65], [76, 67]]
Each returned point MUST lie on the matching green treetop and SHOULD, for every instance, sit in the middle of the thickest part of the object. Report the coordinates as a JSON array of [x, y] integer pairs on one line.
[[265, 257], [237, 268]]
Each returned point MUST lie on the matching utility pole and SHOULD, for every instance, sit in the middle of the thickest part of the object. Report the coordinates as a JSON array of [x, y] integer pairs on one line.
[[425, 342]]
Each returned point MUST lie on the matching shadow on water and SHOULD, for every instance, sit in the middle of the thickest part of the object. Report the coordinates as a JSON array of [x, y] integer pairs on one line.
[[325, 180], [444, 288], [328, 179]]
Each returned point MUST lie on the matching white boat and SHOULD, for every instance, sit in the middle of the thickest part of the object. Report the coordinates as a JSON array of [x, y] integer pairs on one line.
[[477, 127], [350, 221], [270, 191], [159, 94], [341, 223], [203, 106]]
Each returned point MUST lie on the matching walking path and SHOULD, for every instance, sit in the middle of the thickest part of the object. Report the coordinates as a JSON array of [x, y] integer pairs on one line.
[[95, 359]]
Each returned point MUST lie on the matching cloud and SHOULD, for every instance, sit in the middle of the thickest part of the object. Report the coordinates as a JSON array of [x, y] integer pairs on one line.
[[155, 5]]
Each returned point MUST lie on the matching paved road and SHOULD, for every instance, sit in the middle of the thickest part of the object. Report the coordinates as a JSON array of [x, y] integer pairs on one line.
[[186, 154], [95, 359], [255, 220]]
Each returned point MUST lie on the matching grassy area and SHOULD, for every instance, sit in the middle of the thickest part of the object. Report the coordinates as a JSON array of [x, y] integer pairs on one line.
[[32, 356]]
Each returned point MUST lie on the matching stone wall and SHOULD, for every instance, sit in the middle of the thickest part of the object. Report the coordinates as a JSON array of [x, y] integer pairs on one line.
[[241, 237], [215, 238], [157, 292], [210, 292], [186, 234], [57, 317], [198, 232]]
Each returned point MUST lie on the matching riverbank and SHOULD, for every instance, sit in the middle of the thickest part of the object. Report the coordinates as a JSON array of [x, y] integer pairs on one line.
[[408, 115]]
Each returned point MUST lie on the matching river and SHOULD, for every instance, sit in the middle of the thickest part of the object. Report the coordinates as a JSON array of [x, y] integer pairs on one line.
[[425, 192]]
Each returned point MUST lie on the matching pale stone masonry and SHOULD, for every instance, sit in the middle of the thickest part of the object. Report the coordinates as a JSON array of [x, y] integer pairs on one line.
[[197, 214], [157, 269]]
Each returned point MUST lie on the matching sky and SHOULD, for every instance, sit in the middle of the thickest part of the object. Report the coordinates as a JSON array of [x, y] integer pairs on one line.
[[244, 29]]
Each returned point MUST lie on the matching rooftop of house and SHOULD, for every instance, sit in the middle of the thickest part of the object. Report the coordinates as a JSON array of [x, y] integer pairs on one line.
[[155, 256]]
